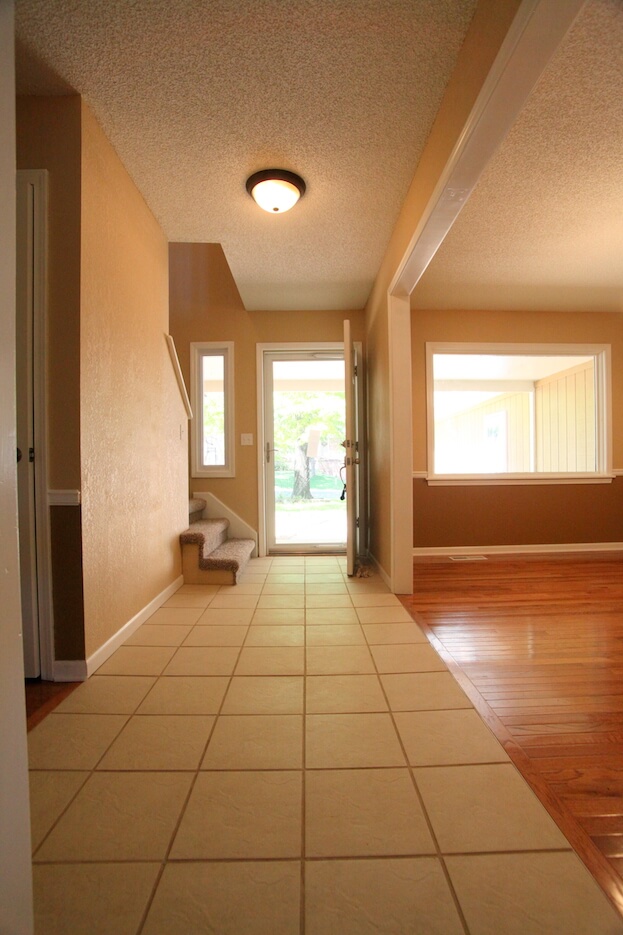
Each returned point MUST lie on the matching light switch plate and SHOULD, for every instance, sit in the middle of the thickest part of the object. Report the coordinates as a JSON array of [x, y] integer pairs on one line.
[[246, 439]]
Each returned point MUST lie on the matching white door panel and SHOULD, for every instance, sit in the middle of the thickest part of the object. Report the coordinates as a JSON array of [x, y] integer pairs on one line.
[[351, 451]]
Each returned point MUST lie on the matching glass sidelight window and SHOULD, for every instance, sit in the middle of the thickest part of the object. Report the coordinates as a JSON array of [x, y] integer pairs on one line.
[[212, 428]]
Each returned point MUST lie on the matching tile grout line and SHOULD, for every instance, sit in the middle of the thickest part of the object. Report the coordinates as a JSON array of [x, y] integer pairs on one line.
[[193, 783], [58, 818], [439, 854], [303, 859], [305, 768], [302, 907], [197, 772], [91, 772], [177, 861]]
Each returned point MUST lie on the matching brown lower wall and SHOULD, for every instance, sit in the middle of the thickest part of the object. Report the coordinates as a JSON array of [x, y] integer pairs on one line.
[[67, 596], [517, 515]]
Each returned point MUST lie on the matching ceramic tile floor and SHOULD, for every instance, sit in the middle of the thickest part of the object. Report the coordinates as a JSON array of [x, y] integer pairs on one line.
[[290, 756]]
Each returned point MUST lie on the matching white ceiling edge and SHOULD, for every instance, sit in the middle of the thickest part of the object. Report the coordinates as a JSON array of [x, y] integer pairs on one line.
[[535, 34], [257, 297]]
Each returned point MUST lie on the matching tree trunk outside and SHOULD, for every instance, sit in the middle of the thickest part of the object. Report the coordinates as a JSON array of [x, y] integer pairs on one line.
[[301, 489]]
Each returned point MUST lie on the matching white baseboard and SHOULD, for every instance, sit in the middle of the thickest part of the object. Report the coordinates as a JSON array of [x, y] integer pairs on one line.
[[380, 570], [69, 670], [64, 498], [100, 655], [567, 547]]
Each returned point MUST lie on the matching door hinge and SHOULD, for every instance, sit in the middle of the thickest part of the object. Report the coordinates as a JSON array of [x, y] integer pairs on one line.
[[357, 522], [31, 454]]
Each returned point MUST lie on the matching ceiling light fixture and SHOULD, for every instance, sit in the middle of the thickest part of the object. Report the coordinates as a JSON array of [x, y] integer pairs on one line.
[[275, 190]]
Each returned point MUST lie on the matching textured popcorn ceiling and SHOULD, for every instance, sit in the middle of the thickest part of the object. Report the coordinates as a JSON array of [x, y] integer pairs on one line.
[[543, 229], [195, 95]]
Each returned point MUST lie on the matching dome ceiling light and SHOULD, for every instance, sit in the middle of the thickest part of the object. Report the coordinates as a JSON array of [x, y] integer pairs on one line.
[[275, 190]]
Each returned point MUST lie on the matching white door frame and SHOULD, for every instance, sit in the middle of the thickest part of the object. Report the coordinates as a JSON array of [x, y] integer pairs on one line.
[[401, 443], [16, 913], [32, 197], [353, 451], [536, 32], [261, 350]]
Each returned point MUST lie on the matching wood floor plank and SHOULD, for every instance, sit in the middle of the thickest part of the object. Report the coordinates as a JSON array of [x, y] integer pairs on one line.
[[42, 697], [604, 826], [578, 750], [537, 644]]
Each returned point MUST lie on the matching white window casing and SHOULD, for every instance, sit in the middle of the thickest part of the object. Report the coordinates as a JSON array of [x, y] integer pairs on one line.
[[212, 456], [599, 467]]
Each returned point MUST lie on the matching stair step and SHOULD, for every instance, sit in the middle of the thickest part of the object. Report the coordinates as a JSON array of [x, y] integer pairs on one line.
[[209, 557], [233, 554], [208, 534], [196, 506]]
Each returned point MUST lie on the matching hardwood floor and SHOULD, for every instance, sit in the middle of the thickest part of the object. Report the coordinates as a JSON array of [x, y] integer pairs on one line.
[[537, 644], [42, 697]]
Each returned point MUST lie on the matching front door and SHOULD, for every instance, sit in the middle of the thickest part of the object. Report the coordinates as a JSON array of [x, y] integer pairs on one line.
[[312, 412], [304, 430], [352, 452]]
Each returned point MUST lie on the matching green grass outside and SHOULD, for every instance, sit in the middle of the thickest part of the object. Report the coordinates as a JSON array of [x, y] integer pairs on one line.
[[285, 480], [305, 506]]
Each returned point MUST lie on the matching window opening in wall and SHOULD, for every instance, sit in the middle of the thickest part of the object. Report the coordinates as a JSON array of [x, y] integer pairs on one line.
[[212, 426], [519, 411]]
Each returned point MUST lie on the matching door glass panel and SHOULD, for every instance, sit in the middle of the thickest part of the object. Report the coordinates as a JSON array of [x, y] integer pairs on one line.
[[213, 383], [308, 430]]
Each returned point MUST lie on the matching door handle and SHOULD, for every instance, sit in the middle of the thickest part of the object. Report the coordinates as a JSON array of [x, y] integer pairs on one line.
[[268, 451]]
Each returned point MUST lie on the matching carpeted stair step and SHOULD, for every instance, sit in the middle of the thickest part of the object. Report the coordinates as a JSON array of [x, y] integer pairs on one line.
[[209, 557], [208, 533], [196, 506]]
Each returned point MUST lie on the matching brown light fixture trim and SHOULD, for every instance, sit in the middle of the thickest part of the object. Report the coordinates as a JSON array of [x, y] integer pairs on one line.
[[294, 186]]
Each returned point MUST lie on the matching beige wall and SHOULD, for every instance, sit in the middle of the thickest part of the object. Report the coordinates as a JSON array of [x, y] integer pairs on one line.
[[133, 424], [515, 515], [205, 306], [485, 35]]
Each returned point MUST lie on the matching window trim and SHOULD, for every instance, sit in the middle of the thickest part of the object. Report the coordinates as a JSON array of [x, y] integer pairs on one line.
[[603, 413], [199, 350]]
